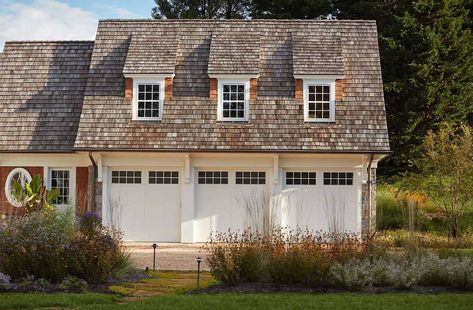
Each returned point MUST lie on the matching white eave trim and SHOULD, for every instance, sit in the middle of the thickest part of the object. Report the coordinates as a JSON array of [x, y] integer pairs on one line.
[[317, 77], [233, 76], [149, 77]]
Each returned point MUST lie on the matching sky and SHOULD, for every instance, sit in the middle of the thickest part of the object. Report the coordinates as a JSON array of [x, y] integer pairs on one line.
[[63, 19]]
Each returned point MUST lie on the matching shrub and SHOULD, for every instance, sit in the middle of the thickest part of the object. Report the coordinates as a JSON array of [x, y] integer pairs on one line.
[[405, 271], [297, 258], [353, 275], [389, 211], [73, 284], [97, 254], [36, 245], [49, 245], [236, 258], [402, 238], [34, 284], [5, 281]]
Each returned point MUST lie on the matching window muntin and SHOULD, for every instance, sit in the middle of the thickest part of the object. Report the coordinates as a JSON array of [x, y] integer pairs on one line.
[[250, 177], [148, 101], [233, 96], [126, 177], [60, 179], [319, 100], [163, 177], [301, 178], [233, 101], [338, 178], [213, 177]]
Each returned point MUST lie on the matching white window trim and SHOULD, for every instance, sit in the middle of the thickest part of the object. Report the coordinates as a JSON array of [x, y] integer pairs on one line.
[[72, 185], [8, 195], [326, 82], [153, 81], [222, 81]]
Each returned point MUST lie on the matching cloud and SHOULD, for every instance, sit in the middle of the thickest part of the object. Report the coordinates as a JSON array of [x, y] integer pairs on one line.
[[45, 20], [117, 11]]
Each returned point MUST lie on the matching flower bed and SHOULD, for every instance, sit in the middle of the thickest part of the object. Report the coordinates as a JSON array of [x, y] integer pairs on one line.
[[44, 251], [302, 259]]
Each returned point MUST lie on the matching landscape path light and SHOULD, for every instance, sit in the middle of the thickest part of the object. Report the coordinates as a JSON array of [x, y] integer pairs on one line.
[[154, 256], [199, 260]]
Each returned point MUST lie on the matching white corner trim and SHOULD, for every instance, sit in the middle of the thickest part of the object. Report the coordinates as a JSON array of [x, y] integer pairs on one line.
[[99, 168], [187, 168], [155, 80], [329, 82], [220, 117], [317, 77], [276, 169], [46, 177], [234, 76]]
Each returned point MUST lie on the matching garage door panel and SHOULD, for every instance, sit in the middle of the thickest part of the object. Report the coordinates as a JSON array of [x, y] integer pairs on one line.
[[319, 205], [220, 207], [148, 212]]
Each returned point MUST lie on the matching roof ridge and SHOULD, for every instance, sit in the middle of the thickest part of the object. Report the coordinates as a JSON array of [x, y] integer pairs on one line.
[[49, 41], [232, 20]]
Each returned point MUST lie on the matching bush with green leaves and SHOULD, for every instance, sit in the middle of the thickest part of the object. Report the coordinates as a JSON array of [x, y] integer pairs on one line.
[[73, 284], [34, 196], [295, 258], [5, 281], [53, 245], [98, 253], [405, 271], [36, 244]]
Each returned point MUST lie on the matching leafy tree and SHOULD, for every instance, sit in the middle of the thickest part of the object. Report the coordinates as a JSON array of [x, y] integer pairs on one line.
[[446, 171], [427, 60], [34, 196], [200, 9], [426, 51], [298, 9]]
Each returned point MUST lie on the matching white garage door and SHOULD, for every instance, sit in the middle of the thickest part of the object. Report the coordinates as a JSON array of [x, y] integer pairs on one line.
[[224, 198], [319, 200], [145, 203]]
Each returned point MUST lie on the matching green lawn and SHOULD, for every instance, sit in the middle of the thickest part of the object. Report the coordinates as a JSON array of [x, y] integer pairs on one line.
[[242, 301]]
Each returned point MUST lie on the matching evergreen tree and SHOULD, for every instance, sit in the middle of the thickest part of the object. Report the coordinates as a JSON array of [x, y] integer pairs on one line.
[[291, 9], [426, 51], [202, 9]]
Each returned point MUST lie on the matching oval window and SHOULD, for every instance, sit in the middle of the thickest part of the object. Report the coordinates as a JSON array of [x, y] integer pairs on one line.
[[16, 175]]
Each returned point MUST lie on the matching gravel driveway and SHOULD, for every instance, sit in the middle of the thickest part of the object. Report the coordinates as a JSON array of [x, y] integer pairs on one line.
[[169, 256]]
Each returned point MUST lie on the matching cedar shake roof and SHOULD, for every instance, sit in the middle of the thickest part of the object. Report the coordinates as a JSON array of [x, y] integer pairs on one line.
[[234, 52], [42, 87], [273, 49], [152, 52], [317, 53]]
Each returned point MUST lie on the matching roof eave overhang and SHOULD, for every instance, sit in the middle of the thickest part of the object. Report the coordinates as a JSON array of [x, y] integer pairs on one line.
[[318, 76]]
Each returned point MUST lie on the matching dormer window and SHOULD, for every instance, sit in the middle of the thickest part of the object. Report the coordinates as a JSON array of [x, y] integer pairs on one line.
[[147, 97], [319, 100], [148, 103], [233, 96]]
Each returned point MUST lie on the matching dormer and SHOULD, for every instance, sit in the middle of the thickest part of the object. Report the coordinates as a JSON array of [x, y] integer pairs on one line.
[[233, 71], [149, 72], [318, 73]]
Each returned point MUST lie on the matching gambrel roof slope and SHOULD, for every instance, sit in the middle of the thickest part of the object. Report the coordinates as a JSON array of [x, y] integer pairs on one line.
[[276, 50], [42, 88]]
